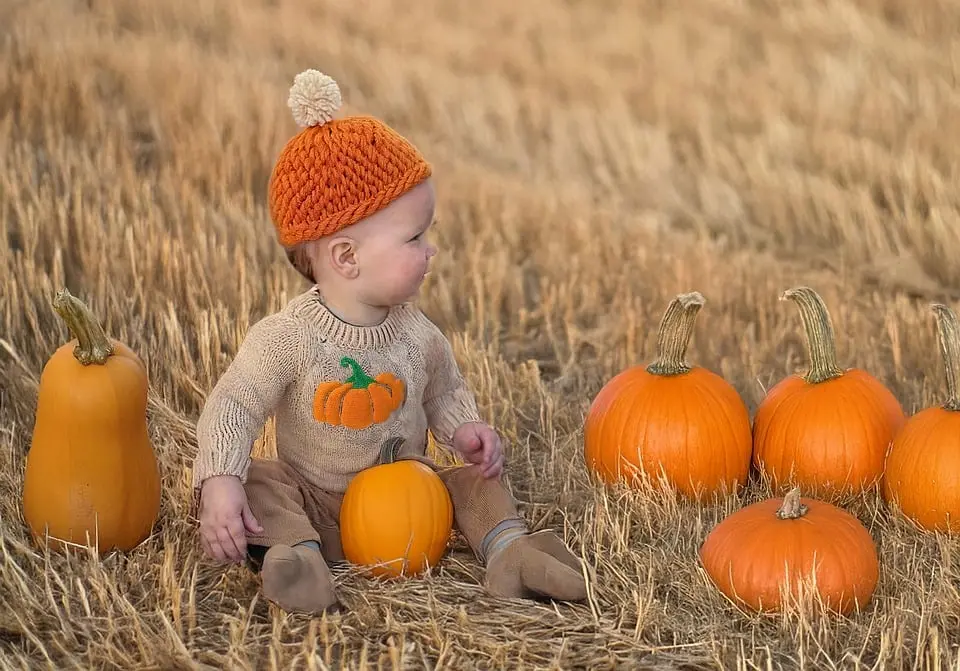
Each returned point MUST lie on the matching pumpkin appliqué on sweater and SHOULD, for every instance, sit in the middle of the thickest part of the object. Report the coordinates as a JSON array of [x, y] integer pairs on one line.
[[360, 400]]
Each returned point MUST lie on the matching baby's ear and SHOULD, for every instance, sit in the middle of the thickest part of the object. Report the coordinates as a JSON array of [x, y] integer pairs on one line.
[[342, 255]]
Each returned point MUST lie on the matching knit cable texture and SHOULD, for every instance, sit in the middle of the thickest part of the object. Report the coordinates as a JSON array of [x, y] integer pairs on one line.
[[287, 357]]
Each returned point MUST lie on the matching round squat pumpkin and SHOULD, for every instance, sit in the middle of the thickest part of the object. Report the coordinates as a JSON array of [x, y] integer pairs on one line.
[[670, 420], [396, 517], [770, 554], [91, 476], [923, 466], [828, 430]]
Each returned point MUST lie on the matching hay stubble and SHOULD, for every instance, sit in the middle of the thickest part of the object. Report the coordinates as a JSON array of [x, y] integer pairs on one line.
[[593, 160]]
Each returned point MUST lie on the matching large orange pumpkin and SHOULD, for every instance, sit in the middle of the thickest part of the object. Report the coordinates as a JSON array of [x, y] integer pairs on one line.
[[358, 401], [923, 466], [396, 517], [828, 430], [91, 472], [773, 553], [669, 419]]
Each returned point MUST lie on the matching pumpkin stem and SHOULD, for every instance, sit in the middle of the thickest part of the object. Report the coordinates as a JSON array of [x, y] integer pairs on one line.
[[93, 345], [791, 508], [949, 329], [390, 449], [821, 344], [359, 379], [673, 338]]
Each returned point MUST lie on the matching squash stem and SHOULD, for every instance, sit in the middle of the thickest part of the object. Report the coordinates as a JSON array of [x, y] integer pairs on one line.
[[390, 449], [93, 345], [949, 330], [791, 508], [821, 343], [676, 329]]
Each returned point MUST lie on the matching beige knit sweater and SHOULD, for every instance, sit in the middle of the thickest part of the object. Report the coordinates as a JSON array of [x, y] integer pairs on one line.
[[337, 391]]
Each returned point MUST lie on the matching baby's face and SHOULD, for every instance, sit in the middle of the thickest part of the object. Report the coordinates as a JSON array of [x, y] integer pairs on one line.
[[393, 252]]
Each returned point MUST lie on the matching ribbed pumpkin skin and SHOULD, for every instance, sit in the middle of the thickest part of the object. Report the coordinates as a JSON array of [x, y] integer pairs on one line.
[[923, 466], [826, 431], [829, 438], [669, 419], [923, 470], [396, 519], [750, 554], [694, 426], [91, 467]]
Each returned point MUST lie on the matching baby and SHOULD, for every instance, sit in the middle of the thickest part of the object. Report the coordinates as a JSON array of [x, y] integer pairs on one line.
[[352, 202]]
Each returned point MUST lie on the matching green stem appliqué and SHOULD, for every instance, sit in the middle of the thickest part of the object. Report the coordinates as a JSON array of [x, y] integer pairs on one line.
[[359, 379]]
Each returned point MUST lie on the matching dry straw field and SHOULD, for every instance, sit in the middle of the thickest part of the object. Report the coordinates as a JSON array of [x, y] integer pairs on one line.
[[594, 158]]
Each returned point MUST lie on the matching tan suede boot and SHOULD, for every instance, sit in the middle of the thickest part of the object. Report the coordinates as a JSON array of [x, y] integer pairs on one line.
[[297, 579], [518, 564]]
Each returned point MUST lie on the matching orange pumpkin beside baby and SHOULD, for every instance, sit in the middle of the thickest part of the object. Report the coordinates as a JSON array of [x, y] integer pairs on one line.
[[396, 517], [91, 473]]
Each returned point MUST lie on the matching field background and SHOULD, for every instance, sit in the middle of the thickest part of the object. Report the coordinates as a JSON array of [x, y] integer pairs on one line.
[[593, 159]]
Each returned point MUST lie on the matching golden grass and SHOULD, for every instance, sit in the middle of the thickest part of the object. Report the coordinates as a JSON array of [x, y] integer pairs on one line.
[[593, 159]]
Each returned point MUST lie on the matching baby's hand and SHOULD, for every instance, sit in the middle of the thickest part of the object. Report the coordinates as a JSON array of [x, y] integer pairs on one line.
[[225, 516], [480, 444]]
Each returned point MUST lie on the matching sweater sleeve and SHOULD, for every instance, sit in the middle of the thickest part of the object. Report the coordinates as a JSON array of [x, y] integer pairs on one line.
[[245, 396], [448, 401]]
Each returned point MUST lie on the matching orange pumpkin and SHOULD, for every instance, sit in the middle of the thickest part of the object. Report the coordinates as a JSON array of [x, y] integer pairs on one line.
[[669, 418], [923, 466], [396, 517], [828, 430], [775, 552], [91, 472], [360, 400]]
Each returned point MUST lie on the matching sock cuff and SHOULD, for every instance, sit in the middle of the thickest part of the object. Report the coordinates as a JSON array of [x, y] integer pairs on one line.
[[500, 536]]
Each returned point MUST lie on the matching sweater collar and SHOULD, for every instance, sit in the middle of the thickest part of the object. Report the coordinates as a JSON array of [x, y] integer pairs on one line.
[[334, 330]]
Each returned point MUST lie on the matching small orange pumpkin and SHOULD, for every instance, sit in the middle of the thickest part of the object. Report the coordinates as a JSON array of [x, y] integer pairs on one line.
[[923, 466], [91, 472], [776, 551], [828, 430], [358, 401], [668, 417], [396, 517]]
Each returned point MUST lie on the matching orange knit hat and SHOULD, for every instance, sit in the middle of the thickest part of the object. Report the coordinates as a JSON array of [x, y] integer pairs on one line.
[[335, 172]]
